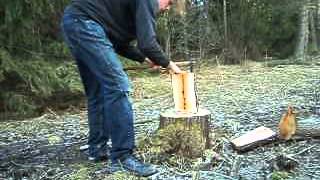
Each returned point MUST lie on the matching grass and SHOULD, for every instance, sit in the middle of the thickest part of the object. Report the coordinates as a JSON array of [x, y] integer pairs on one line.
[[240, 98]]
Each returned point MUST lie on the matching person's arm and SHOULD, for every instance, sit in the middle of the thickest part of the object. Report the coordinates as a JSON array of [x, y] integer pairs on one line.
[[130, 52], [146, 35]]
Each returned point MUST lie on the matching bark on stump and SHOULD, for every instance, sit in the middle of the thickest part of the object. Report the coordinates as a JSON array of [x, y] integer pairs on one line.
[[193, 127]]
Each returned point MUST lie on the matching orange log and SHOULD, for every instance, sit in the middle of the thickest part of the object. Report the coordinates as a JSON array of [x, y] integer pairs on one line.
[[189, 93]]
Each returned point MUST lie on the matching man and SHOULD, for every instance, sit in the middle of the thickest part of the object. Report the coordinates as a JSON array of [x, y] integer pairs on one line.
[[95, 30]]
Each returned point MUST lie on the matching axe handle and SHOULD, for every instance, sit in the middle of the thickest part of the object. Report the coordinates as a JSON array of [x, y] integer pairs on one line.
[[133, 68]]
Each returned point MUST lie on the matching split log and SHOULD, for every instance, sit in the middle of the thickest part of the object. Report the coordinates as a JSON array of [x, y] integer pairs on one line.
[[177, 91], [189, 92], [189, 131], [184, 95]]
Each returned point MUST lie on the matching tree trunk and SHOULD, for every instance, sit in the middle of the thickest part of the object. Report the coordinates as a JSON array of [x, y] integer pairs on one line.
[[225, 23], [204, 37], [318, 21], [168, 45], [313, 32], [304, 32]]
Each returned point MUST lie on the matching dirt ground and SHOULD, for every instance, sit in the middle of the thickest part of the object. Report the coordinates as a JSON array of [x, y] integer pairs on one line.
[[240, 98]]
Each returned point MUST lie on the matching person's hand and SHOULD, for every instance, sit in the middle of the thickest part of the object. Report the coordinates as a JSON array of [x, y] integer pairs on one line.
[[152, 65], [174, 68]]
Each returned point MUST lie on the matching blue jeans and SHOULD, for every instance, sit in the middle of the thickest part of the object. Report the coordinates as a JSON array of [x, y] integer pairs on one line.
[[106, 85]]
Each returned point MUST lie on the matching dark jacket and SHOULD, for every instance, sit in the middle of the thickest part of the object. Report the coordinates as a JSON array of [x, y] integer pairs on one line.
[[125, 21]]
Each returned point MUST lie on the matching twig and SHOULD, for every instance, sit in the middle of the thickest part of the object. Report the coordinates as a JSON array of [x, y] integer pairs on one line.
[[26, 166], [44, 175], [53, 113], [221, 164], [313, 174], [235, 167], [143, 122], [222, 175], [313, 167], [304, 150], [19, 165], [63, 144]]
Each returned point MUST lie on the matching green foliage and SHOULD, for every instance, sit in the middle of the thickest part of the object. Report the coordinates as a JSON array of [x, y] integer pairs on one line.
[[20, 103], [30, 42], [27, 84], [40, 76], [260, 26], [29, 24], [253, 28], [279, 175]]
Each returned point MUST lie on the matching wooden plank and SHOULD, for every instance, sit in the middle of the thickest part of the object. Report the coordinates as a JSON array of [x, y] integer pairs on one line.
[[251, 139]]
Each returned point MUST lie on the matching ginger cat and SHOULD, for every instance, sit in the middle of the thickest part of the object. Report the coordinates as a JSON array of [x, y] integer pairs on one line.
[[287, 125]]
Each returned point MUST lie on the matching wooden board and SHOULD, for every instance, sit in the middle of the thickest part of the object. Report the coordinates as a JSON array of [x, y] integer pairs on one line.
[[258, 136]]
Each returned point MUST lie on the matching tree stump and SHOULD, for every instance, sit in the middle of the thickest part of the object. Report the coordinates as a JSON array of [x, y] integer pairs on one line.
[[184, 130], [184, 133]]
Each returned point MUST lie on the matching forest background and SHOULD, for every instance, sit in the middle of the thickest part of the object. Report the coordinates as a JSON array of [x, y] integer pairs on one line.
[[37, 70]]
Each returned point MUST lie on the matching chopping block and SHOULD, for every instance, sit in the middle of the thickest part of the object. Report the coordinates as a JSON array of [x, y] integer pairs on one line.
[[186, 123]]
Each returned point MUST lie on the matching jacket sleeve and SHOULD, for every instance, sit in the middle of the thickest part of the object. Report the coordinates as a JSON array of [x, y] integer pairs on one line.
[[146, 33], [130, 52]]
